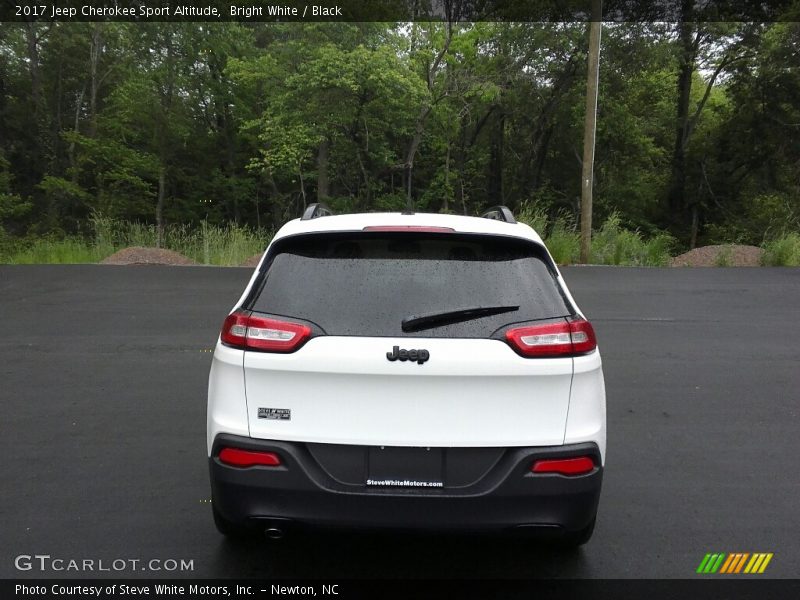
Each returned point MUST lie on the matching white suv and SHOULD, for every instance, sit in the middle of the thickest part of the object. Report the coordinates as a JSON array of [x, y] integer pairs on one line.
[[401, 370]]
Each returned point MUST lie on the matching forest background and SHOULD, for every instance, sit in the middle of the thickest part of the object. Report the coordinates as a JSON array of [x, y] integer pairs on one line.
[[206, 137]]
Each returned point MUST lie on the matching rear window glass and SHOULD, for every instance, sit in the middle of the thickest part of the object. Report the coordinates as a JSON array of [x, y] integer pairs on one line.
[[366, 284]]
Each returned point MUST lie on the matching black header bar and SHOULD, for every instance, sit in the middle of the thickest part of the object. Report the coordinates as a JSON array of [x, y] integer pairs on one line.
[[397, 10]]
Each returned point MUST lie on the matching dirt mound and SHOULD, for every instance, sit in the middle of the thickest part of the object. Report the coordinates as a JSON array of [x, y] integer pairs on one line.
[[253, 260], [725, 255], [138, 255]]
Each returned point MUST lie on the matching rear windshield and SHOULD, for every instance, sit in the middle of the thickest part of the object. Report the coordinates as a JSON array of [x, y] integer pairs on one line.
[[366, 284]]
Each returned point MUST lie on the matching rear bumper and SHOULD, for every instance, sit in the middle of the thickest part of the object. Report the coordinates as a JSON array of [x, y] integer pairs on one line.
[[506, 496]]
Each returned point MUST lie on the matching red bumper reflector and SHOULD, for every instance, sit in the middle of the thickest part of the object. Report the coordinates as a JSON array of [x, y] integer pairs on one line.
[[564, 466], [248, 458]]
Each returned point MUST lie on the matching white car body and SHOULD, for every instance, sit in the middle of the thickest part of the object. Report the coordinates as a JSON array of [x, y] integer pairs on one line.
[[472, 393]]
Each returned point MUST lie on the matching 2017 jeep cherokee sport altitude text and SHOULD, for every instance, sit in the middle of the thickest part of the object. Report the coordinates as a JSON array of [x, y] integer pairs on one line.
[[407, 370]]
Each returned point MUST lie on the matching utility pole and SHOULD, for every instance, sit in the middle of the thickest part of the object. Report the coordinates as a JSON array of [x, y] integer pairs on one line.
[[589, 127]]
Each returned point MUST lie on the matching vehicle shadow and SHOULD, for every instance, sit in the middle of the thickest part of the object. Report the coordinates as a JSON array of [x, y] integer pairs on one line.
[[403, 555]]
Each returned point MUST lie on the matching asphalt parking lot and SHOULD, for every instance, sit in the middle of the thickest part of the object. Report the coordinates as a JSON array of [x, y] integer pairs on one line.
[[103, 374]]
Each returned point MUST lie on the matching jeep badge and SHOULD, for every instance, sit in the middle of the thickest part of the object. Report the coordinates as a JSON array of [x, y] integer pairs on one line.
[[420, 356]]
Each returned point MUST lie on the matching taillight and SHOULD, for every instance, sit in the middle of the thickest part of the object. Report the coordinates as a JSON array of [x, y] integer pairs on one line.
[[564, 466], [566, 338], [243, 330], [235, 457], [411, 228]]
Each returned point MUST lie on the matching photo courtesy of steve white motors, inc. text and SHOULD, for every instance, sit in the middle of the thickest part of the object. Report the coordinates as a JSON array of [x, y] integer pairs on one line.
[[120, 12], [171, 590]]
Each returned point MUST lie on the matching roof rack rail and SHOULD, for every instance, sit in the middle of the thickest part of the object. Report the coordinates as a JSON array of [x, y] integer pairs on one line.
[[318, 209], [499, 213]]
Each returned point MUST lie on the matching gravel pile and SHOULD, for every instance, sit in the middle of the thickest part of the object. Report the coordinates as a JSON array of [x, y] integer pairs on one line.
[[138, 255], [730, 255]]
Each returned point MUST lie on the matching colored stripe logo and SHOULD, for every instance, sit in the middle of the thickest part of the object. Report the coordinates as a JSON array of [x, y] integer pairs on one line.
[[734, 562]]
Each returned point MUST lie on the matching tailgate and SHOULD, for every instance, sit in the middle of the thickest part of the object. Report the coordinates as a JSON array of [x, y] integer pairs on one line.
[[470, 392]]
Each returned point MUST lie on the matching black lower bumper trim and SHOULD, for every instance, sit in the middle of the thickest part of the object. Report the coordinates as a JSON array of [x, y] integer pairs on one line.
[[507, 496]]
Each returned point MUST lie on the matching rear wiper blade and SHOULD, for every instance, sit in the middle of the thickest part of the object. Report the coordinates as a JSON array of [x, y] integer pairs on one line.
[[418, 322]]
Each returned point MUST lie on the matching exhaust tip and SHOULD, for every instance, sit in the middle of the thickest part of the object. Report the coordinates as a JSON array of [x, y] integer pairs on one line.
[[274, 533]]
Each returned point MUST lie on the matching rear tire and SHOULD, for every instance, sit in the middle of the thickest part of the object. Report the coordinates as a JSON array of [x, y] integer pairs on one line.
[[574, 539], [231, 530]]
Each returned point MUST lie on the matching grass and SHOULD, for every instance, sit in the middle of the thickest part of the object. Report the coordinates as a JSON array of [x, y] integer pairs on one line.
[[783, 251], [226, 245], [612, 244], [615, 245], [231, 244], [724, 257], [69, 250]]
